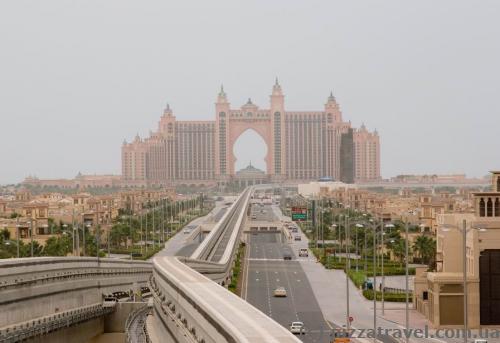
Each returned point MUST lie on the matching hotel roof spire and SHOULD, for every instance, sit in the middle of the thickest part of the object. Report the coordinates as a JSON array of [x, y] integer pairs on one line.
[[221, 97], [167, 111], [277, 88]]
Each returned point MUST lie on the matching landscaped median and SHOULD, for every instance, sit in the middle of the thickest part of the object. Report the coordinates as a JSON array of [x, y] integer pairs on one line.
[[235, 285], [360, 277]]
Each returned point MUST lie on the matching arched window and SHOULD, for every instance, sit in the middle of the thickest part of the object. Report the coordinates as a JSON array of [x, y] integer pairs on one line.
[[497, 207], [489, 208], [482, 211]]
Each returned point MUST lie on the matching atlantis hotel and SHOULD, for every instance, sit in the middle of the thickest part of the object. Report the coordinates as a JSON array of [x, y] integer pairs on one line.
[[301, 146]]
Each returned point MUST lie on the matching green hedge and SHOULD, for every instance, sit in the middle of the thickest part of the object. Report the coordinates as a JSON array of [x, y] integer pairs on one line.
[[393, 297], [390, 267], [236, 270]]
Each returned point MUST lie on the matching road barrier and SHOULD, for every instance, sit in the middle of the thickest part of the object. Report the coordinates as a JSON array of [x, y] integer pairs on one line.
[[45, 325]]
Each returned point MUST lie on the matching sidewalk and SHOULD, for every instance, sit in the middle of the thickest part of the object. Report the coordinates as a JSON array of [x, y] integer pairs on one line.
[[329, 287]]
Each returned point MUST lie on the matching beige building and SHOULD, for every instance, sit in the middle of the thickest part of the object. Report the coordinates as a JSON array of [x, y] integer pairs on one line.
[[439, 295]]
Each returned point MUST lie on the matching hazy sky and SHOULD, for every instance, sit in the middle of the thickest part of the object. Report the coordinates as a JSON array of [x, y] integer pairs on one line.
[[78, 77]]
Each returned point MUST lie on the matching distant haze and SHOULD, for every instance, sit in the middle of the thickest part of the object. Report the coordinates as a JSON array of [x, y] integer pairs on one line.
[[79, 77]]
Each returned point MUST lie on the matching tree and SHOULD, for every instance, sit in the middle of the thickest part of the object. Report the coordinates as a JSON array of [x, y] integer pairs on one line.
[[5, 234], [58, 246], [425, 248], [399, 250]]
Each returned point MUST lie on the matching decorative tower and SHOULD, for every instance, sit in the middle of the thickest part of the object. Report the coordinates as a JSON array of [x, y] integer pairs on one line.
[[277, 147], [221, 135], [332, 109], [167, 123]]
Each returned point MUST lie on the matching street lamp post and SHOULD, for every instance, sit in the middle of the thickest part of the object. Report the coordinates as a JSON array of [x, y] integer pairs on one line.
[[347, 270], [84, 251], [65, 227], [154, 227], [365, 267], [357, 251], [17, 238], [142, 237], [358, 226], [407, 309], [31, 236], [382, 240], [374, 287], [84, 243], [147, 212], [334, 228]]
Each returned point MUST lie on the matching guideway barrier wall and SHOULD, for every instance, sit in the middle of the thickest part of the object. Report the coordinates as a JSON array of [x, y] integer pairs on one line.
[[189, 301]]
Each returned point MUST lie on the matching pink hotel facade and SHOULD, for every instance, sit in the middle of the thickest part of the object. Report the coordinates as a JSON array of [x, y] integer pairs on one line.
[[301, 146]]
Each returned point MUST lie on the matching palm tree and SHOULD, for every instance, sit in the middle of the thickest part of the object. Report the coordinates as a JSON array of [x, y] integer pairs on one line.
[[399, 250], [425, 247]]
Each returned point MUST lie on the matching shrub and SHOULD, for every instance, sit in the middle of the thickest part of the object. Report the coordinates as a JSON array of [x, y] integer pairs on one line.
[[393, 297]]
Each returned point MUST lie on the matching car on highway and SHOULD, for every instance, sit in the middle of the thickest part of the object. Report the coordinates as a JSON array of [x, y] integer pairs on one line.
[[341, 336], [280, 292], [254, 216], [109, 301], [295, 230], [297, 238], [121, 296], [303, 252], [287, 256], [186, 230], [297, 327]]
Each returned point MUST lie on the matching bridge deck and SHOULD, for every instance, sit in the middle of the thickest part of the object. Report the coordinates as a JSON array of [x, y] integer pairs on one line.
[[241, 320]]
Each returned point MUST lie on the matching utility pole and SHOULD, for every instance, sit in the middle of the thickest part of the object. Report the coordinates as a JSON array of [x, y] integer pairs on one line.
[[407, 310], [347, 270], [374, 286], [31, 236]]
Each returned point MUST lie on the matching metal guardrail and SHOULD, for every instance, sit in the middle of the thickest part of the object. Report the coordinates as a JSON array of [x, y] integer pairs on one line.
[[135, 326], [22, 272], [48, 324]]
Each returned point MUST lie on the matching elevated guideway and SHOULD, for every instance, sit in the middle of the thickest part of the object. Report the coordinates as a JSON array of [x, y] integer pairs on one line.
[[39, 296], [189, 303]]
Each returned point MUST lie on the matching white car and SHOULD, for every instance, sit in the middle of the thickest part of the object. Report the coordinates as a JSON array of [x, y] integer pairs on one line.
[[280, 292], [303, 253], [297, 327]]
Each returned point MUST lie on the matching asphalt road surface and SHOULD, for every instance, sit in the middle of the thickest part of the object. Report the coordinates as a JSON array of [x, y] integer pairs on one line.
[[261, 213], [266, 271]]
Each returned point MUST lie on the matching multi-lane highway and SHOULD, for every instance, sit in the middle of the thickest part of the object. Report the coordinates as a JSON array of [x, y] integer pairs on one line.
[[267, 270]]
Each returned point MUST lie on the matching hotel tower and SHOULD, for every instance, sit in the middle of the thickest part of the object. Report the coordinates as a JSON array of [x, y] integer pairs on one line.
[[301, 146]]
